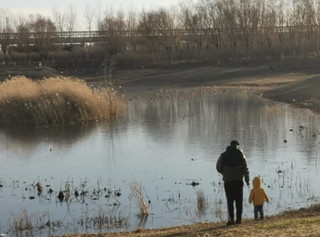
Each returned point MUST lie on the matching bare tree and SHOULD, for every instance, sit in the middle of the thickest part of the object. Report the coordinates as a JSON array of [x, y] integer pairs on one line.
[[113, 28], [248, 20], [98, 16], [195, 30], [88, 16], [317, 7], [228, 22], [309, 19], [166, 33], [60, 23], [302, 26], [280, 24], [44, 33], [267, 28], [208, 9], [193, 23], [23, 29], [148, 27], [131, 27], [71, 20], [5, 30]]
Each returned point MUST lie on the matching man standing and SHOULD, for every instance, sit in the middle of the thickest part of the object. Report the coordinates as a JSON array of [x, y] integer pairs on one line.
[[232, 164]]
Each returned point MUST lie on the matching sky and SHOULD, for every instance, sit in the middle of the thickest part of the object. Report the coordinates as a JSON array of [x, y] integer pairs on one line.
[[47, 7]]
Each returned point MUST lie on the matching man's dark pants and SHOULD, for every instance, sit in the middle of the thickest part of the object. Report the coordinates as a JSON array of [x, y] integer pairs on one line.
[[234, 193]]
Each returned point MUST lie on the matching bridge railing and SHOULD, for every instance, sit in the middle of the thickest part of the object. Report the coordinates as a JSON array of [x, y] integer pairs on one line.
[[102, 36]]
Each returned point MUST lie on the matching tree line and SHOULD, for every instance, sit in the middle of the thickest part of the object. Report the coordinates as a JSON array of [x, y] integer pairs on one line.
[[205, 31]]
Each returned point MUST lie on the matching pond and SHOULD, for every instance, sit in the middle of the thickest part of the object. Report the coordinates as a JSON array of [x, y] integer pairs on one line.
[[163, 151]]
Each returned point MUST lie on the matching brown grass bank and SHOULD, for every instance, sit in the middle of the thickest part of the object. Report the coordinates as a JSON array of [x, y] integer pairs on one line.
[[56, 100], [302, 222]]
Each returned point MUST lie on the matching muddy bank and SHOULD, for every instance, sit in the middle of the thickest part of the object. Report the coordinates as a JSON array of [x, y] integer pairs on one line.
[[303, 93], [282, 82], [290, 80]]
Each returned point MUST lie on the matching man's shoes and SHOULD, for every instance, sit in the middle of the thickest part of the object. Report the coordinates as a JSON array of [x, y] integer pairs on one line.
[[231, 222], [238, 221]]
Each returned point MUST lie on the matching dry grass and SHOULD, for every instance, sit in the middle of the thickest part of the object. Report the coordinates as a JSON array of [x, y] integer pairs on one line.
[[139, 197], [57, 100], [272, 109], [201, 203], [22, 222]]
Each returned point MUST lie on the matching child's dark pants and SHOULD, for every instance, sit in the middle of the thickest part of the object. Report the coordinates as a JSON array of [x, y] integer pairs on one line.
[[258, 210]]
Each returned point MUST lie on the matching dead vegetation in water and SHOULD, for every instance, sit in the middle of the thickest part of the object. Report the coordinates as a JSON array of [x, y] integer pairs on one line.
[[25, 224], [70, 195], [103, 219], [272, 109], [56, 100], [110, 217], [184, 93], [201, 203], [137, 193], [22, 222]]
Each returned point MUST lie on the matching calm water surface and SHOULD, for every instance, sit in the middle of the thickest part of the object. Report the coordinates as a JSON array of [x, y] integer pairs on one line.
[[163, 146]]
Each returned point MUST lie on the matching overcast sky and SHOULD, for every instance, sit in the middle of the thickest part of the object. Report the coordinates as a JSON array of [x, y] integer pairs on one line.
[[46, 7]]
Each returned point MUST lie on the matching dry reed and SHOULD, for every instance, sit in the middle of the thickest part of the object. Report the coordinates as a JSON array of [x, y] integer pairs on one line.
[[201, 203], [272, 109], [138, 195], [22, 222], [56, 100]]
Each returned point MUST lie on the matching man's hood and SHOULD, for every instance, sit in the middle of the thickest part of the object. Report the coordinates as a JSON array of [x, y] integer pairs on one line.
[[232, 148]]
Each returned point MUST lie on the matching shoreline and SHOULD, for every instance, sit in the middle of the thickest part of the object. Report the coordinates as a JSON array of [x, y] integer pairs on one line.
[[266, 92], [291, 80], [301, 222]]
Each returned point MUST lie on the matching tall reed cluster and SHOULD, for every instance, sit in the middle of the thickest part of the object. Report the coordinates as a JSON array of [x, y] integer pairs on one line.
[[53, 101]]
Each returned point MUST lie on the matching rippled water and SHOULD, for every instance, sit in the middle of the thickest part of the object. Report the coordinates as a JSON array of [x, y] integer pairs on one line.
[[163, 145]]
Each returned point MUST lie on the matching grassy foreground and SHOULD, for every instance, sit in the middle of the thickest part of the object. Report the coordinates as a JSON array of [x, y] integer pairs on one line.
[[302, 222]]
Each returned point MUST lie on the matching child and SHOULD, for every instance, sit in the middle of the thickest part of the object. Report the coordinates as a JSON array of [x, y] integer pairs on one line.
[[258, 196]]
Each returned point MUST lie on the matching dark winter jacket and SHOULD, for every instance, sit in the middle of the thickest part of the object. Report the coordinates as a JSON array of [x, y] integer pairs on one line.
[[232, 164]]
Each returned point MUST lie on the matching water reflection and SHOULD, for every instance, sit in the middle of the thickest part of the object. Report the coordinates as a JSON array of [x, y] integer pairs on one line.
[[165, 145], [28, 138]]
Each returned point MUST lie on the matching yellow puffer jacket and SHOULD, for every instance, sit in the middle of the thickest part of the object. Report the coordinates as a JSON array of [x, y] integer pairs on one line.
[[258, 195]]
